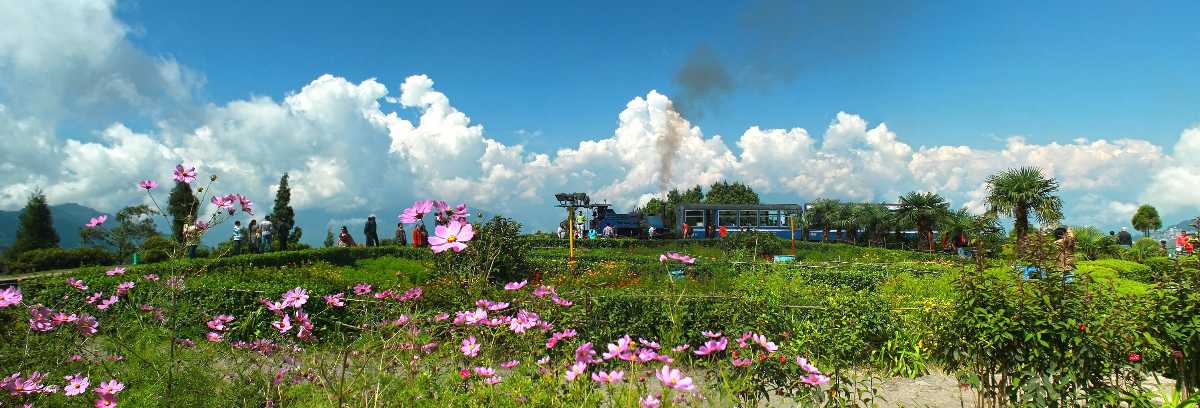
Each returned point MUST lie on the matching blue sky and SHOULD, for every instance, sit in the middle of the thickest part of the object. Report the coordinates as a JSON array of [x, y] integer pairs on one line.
[[370, 105], [936, 72]]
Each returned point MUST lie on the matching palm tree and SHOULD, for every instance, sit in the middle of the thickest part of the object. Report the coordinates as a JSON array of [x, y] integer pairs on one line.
[[874, 220], [823, 212], [923, 209], [1019, 192]]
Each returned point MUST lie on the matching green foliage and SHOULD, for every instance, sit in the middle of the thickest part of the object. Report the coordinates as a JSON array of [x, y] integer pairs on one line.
[[62, 258], [1023, 192], [182, 204], [283, 218], [1146, 219], [35, 229], [723, 192], [134, 226]]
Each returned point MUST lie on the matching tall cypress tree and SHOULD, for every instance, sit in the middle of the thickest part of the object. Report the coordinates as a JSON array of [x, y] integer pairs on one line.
[[182, 205], [36, 227], [282, 216]]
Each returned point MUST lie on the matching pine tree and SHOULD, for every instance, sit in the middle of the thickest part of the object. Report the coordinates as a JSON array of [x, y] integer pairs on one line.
[[36, 227], [282, 216], [182, 205]]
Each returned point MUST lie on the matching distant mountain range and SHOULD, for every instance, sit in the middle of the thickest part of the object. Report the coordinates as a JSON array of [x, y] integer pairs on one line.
[[68, 219]]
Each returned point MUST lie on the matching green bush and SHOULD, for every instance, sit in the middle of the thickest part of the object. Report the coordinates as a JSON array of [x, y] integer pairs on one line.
[[62, 258]]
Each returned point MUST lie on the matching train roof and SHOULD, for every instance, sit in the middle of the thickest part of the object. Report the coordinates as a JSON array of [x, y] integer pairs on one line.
[[696, 206]]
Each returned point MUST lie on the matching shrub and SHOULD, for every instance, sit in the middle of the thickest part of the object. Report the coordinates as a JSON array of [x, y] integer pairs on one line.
[[60, 258]]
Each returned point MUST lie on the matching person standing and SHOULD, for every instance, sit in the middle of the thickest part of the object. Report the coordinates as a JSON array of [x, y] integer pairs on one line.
[[419, 236], [252, 235], [370, 231], [1124, 238], [265, 229], [401, 235], [237, 237]]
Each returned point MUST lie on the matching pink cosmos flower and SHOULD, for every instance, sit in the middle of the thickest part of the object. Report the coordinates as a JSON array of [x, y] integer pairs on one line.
[[492, 380], [742, 362], [560, 301], [150, 277], [680, 257], [362, 289], [76, 384], [214, 337], [673, 379], [558, 336], [124, 288], [147, 184], [10, 296], [184, 175], [106, 401], [510, 364], [116, 270], [650, 401], [96, 221], [451, 236], [611, 377], [711, 335], [283, 325], [712, 346], [543, 290], [575, 371], [295, 298], [105, 304], [815, 379], [110, 387], [77, 284], [804, 364], [515, 285], [485, 371], [584, 353], [413, 215], [335, 300], [87, 325], [470, 348]]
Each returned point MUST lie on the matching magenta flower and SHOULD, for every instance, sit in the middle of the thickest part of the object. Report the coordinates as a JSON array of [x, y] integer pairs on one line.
[[576, 370], [611, 377], [650, 401], [110, 387], [470, 347], [362, 289], [584, 353], [96, 221], [184, 175], [485, 371], [712, 346], [147, 184], [815, 379], [335, 300], [105, 304], [510, 364], [295, 298], [76, 384], [515, 285], [77, 284], [413, 215], [451, 236], [283, 325], [673, 379], [116, 270], [10, 296]]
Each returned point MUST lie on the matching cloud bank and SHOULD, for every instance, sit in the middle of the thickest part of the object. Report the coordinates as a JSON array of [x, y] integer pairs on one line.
[[349, 151]]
